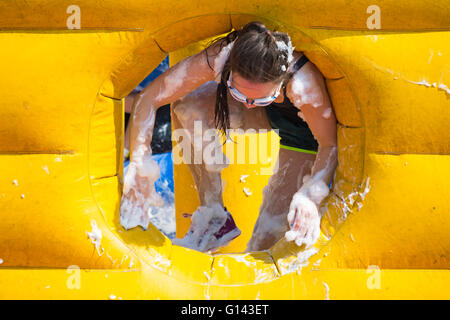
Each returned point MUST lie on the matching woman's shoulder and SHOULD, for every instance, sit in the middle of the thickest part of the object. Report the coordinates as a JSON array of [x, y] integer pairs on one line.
[[305, 84], [208, 63]]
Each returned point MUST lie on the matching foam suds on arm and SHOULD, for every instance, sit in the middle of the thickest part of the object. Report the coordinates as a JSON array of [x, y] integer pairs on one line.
[[220, 60], [304, 90], [304, 216], [139, 192]]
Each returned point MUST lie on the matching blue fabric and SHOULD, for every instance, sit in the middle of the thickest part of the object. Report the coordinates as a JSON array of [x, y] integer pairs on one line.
[[165, 163]]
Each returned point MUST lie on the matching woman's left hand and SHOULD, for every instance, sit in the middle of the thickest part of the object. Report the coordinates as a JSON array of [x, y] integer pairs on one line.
[[304, 220]]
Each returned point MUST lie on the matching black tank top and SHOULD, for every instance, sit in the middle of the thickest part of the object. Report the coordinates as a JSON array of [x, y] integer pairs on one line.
[[293, 131]]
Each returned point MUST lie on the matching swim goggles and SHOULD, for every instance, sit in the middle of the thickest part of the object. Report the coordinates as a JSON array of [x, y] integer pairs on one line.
[[260, 102]]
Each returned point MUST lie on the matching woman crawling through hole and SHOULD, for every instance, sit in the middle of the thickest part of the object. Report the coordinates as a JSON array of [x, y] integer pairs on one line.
[[251, 78]]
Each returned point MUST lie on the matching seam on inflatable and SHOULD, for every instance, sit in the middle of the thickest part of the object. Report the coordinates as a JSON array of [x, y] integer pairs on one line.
[[88, 157], [65, 30], [119, 63], [94, 198], [279, 274], [394, 153], [158, 45], [110, 97], [348, 127], [106, 177], [190, 18], [334, 79]]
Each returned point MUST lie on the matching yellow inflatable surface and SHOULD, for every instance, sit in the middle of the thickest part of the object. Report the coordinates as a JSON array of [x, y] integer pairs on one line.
[[66, 69]]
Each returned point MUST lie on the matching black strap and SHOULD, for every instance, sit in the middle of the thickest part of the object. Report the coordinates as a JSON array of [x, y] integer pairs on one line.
[[300, 62], [297, 66]]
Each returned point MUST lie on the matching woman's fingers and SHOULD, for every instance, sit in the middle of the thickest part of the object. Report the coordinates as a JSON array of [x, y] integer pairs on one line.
[[304, 222], [297, 220], [292, 234], [313, 232]]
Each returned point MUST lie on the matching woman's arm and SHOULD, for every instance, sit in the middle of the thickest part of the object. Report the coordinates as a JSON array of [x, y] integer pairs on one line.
[[173, 84], [139, 191], [307, 90]]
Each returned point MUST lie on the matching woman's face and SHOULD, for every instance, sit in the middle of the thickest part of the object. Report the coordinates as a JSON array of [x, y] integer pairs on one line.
[[253, 90]]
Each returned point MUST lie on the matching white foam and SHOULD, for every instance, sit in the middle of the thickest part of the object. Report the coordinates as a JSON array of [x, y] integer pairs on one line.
[[138, 201], [287, 48], [174, 79], [297, 264], [423, 82], [327, 113], [366, 189], [318, 191], [304, 91], [304, 255], [96, 236], [355, 198], [327, 291], [205, 222], [306, 178], [243, 177], [148, 167], [221, 59], [164, 218], [442, 86], [306, 202]]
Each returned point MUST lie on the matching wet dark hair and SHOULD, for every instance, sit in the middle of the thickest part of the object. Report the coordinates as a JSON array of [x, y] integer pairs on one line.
[[256, 56]]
